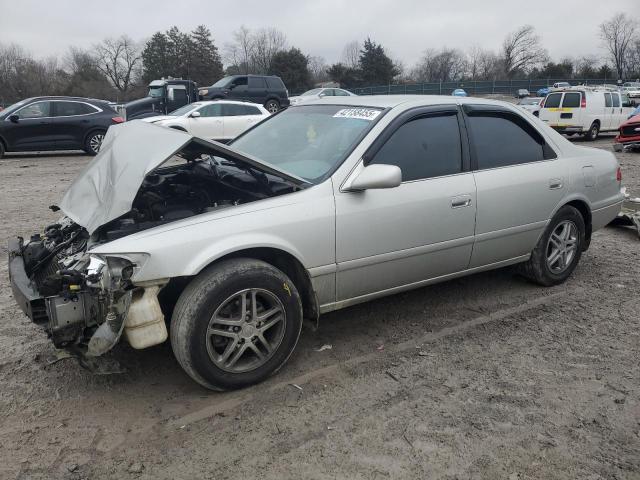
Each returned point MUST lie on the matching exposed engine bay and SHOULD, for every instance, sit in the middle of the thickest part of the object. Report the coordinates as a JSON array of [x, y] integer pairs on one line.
[[85, 301]]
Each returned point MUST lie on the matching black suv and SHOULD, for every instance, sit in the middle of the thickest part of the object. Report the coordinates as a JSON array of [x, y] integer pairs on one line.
[[265, 89], [55, 123]]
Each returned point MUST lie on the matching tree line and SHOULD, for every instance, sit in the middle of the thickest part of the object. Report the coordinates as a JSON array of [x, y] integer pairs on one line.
[[119, 68]]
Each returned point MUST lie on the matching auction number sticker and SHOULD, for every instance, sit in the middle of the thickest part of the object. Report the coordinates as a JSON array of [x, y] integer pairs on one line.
[[361, 113]]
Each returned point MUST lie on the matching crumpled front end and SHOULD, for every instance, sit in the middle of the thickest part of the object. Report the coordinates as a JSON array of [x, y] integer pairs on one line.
[[81, 300]]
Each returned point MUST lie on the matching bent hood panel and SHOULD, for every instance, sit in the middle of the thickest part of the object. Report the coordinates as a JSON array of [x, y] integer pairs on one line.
[[106, 188]]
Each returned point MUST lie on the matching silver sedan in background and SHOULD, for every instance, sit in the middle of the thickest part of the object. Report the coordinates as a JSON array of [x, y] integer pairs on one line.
[[324, 205], [317, 93]]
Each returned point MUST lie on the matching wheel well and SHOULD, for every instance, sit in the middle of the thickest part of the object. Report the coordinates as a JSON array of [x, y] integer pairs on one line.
[[585, 211], [92, 131], [292, 267], [596, 121]]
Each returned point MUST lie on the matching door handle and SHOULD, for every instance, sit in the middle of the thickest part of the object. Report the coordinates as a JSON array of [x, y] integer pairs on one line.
[[555, 183], [461, 201]]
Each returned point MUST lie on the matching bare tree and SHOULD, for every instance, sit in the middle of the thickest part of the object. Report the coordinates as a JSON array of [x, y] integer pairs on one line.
[[522, 51], [266, 43], [617, 36], [318, 69], [239, 53], [448, 64], [119, 60], [351, 54]]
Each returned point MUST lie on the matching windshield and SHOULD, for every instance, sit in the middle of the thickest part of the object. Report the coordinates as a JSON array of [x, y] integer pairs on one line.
[[184, 109], [530, 101], [310, 141], [13, 108], [315, 91], [223, 82], [156, 92]]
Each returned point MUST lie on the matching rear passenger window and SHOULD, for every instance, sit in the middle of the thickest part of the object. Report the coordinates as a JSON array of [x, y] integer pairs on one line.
[[423, 148], [503, 139], [251, 111], [571, 100], [616, 99], [607, 99], [257, 82], [274, 83], [553, 100]]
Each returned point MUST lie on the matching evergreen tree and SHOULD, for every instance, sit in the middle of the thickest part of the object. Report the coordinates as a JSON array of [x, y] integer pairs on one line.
[[207, 66], [376, 67], [292, 66], [154, 57]]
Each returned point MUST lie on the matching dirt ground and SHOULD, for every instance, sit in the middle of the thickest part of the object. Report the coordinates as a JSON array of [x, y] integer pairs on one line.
[[483, 377]]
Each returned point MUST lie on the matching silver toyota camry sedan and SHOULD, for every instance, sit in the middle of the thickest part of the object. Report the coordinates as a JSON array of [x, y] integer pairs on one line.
[[226, 249]]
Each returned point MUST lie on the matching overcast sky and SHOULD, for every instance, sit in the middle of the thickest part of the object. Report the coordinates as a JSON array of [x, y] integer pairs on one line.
[[404, 27]]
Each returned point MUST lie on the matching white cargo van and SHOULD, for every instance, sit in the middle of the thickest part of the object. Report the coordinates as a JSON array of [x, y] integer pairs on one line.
[[585, 111]]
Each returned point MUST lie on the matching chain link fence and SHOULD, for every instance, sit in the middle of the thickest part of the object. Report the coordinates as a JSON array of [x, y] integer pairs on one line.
[[473, 87]]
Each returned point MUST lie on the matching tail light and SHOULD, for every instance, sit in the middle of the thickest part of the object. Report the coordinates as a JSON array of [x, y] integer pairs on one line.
[[619, 174], [117, 119], [583, 102]]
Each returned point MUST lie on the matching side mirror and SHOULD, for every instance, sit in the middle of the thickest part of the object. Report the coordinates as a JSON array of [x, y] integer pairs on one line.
[[195, 115], [14, 118], [322, 95], [377, 176]]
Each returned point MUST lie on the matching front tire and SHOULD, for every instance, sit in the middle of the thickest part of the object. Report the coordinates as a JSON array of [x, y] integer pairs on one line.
[[236, 324], [93, 142], [558, 250]]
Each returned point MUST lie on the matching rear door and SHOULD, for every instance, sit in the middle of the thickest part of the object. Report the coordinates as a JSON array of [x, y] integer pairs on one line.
[[238, 118], [32, 131], [71, 122], [257, 90], [550, 112], [519, 183], [570, 109], [618, 114]]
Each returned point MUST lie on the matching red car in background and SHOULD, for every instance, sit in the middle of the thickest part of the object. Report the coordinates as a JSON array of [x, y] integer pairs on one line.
[[628, 134]]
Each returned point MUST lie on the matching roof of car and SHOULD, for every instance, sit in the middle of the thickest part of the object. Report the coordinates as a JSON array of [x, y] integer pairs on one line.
[[54, 97], [391, 101], [220, 100]]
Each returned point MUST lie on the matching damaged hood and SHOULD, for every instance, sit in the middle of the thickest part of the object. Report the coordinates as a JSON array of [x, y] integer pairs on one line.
[[105, 190]]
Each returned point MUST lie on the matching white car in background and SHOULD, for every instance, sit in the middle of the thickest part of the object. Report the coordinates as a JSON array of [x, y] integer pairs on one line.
[[320, 93], [531, 104], [220, 120]]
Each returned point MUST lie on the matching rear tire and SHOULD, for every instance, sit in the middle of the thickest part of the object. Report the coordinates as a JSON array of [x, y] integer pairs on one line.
[[558, 250], [272, 106], [594, 131], [240, 307], [93, 142]]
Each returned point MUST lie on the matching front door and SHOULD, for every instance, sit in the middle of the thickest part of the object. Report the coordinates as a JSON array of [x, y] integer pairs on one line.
[[32, 131], [210, 123], [423, 229]]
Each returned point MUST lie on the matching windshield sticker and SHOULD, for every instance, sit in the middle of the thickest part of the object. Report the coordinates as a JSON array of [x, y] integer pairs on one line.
[[361, 113]]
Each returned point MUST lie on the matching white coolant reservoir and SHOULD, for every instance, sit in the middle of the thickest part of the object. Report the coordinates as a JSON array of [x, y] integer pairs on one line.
[[144, 325]]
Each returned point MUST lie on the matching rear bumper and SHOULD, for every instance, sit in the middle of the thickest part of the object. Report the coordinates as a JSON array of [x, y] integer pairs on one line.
[[27, 297]]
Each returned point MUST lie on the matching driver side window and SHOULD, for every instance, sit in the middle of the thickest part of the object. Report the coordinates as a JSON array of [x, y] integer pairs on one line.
[[35, 110], [424, 147], [213, 110]]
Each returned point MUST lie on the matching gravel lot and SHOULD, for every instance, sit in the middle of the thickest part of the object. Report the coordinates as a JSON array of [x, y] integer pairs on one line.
[[483, 377]]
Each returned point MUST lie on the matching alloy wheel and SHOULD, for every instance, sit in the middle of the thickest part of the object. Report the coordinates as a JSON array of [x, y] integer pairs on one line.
[[246, 330], [562, 246], [95, 142]]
